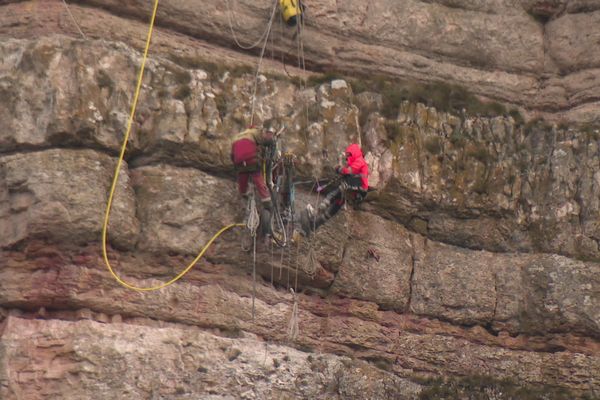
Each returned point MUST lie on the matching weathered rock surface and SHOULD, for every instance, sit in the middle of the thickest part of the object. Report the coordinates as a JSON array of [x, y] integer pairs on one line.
[[479, 253], [217, 296], [574, 49], [500, 202], [496, 49], [508, 292], [58, 195], [88, 359], [385, 281]]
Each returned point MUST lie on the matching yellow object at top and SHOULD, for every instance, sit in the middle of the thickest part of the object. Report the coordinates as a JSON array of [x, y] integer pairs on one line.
[[289, 9]]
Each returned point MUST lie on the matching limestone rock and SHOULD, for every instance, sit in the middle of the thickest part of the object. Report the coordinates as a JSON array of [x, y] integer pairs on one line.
[[572, 49], [377, 263], [219, 298], [61, 195], [182, 208], [449, 285], [86, 359], [468, 259], [444, 40]]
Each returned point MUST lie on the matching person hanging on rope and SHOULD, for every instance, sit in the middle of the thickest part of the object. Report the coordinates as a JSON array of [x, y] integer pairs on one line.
[[354, 185], [291, 10], [245, 157]]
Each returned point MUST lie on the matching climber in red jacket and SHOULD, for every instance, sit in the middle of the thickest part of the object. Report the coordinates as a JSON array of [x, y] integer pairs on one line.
[[354, 183], [244, 155], [356, 165], [245, 158]]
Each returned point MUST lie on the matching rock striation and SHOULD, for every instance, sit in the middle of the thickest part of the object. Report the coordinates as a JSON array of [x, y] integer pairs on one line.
[[541, 56], [487, 229]]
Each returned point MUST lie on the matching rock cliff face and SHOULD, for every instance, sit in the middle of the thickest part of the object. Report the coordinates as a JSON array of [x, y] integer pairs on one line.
[[487, 229], [542, 56]]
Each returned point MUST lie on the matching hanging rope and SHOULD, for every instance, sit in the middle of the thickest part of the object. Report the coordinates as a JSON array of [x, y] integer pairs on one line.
[[293, 329], [116, 179], [253, 217], [252, 224], [300, 26], [358, 129], [237, 42], [253, 274], [281, 264], [297, 256], [73, 19], [262, 53], [271, 247], [313, 263]]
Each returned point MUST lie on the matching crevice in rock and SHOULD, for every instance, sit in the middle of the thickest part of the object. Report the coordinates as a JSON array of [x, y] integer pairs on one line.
[[140, 160], [454, 6], [28, 149], [131, 159]]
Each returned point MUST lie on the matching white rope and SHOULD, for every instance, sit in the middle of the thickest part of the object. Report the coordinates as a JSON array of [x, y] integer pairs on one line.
[[262, 53], [297, 262], [293, 329], [281, 264], [73, 18], [311, 269], [253, 217], [300, 40], [253, 45], [252, 224], [253, 275], [358, 129], [271, 247], [313, 262]]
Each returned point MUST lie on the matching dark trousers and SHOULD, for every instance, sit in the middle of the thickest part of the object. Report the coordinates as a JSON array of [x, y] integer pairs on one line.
[[333, 203]]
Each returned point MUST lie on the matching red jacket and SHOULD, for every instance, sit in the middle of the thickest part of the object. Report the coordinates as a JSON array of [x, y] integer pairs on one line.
[[244, 149], [357, 164]]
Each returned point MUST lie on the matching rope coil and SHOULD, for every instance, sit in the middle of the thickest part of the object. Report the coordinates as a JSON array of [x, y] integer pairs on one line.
[[116, 179], [253, 217], [233, 34], [313, 263]]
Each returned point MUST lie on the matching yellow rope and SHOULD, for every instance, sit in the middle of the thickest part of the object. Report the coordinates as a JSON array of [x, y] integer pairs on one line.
[[116, 178]]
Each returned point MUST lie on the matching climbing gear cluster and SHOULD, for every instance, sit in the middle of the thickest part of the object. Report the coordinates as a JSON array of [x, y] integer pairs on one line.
[[279, 176], [278, 167]]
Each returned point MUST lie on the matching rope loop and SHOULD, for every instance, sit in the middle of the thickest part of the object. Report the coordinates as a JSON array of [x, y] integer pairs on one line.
[[116, 179]]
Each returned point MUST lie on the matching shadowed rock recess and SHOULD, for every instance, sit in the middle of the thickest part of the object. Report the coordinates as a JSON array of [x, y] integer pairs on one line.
[[487, 229]]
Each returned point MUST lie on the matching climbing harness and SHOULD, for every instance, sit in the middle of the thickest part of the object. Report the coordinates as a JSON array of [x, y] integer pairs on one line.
[[116, 178], [278, 171]]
